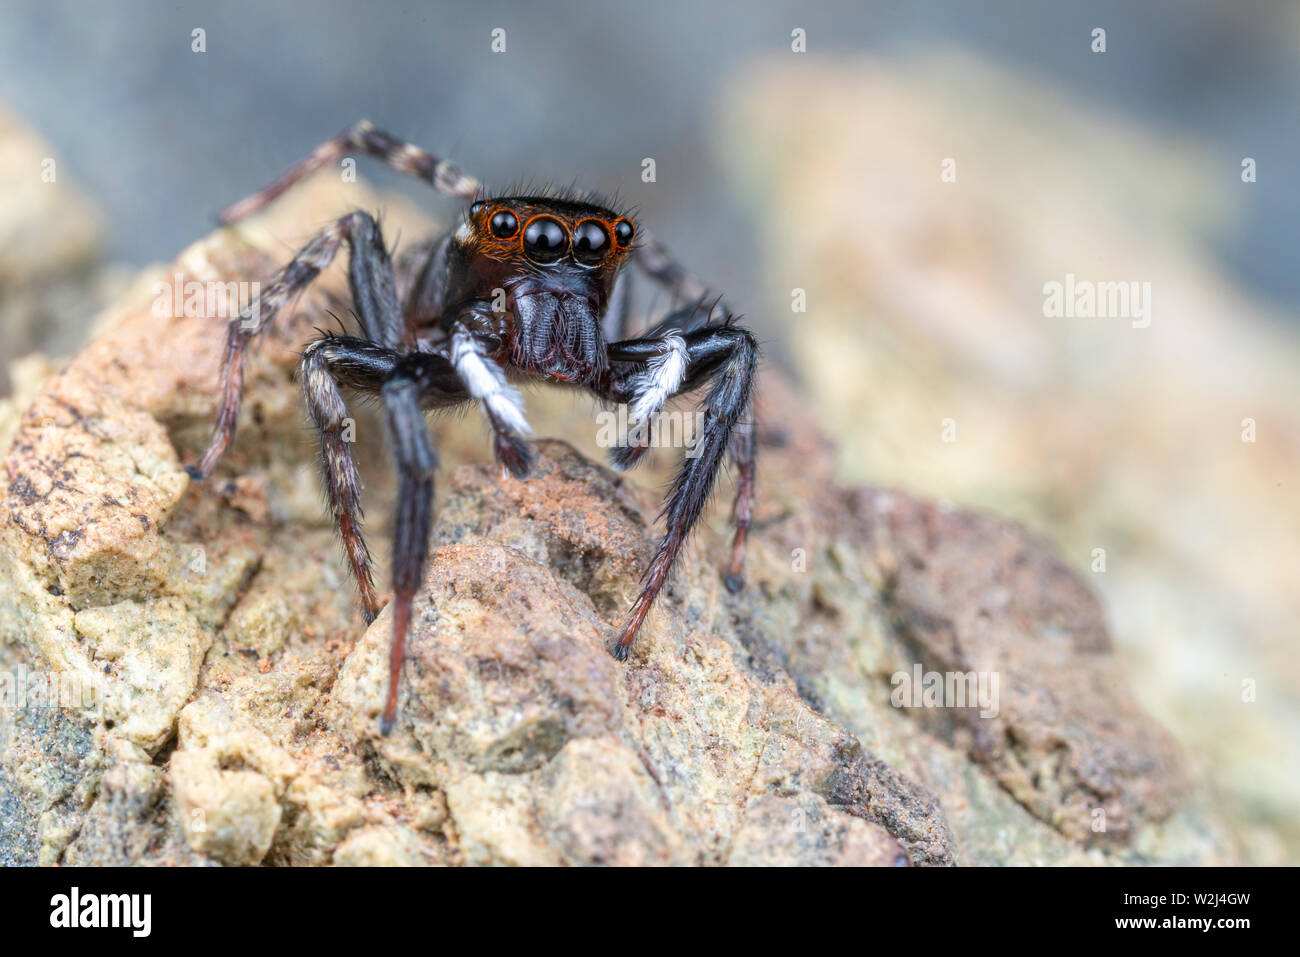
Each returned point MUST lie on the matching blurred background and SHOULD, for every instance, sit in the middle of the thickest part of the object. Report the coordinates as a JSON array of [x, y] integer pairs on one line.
[[920, 172]]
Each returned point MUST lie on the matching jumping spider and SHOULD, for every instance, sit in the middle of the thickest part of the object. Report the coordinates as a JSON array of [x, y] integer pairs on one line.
[[526, 287]]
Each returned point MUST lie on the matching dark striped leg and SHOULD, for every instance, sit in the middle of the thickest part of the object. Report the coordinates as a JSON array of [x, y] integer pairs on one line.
[[369, 267], [727, 356], [408, 384], [660, 265], [443, 175], [416, 463], [362, 366]]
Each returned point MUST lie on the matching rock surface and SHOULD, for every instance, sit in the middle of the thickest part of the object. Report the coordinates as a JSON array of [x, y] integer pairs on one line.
[[236, 686], [1158, 455]]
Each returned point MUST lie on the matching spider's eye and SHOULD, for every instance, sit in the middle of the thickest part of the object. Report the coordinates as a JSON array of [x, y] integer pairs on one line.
[[476, 208], [590, 242], [624, 231], [503, 224], [545, 240]]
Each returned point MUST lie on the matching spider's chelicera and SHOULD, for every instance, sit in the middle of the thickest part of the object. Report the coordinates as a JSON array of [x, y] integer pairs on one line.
[[525, 287]]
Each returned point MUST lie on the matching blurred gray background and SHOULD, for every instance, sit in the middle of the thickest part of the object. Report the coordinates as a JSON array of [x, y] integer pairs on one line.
[[163, 137]]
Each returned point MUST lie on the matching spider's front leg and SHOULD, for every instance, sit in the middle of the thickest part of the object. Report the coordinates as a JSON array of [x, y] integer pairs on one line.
[[363, 367], [416, 463], [661, 367], [408, 383]]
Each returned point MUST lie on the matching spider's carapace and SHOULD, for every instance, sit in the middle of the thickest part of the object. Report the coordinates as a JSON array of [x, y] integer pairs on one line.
[[524, 287]]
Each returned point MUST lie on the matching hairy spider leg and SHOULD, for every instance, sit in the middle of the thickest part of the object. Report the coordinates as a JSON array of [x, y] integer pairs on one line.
[[443, 175], [744, 452], [656, 261], [726, 356], [370, 272], [416, 464], [408, 383], [743, 447], [363, 366]]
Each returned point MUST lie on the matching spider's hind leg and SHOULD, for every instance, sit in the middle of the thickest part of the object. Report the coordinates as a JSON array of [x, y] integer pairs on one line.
[[370, 277], [743, 452], [362, 137]]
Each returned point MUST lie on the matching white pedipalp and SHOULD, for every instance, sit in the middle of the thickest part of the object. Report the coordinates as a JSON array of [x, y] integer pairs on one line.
[[660, 381], [487, 382]]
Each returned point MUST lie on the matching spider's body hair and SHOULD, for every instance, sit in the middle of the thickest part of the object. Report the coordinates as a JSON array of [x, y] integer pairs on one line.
[[572, 195], [660, 381]]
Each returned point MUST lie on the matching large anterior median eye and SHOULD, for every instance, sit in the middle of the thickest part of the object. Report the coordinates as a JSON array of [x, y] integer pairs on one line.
[[545, 240], [503, 224], [590, 242]]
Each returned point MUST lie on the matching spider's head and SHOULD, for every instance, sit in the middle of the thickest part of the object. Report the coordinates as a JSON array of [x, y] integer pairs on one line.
[[545, 236], [556, 259]]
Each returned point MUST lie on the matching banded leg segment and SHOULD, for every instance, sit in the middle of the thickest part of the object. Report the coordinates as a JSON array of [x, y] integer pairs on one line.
[[323, 363], [443, 175], [371, 280]]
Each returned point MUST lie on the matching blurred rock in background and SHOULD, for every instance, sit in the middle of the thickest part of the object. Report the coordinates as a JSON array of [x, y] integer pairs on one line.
[[51, 239], [925, 303]]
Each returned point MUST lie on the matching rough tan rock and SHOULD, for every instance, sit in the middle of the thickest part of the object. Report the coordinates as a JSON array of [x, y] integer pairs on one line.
[[152, 654], [379, 847], [227, 779], [752, 728], [781, 832]]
